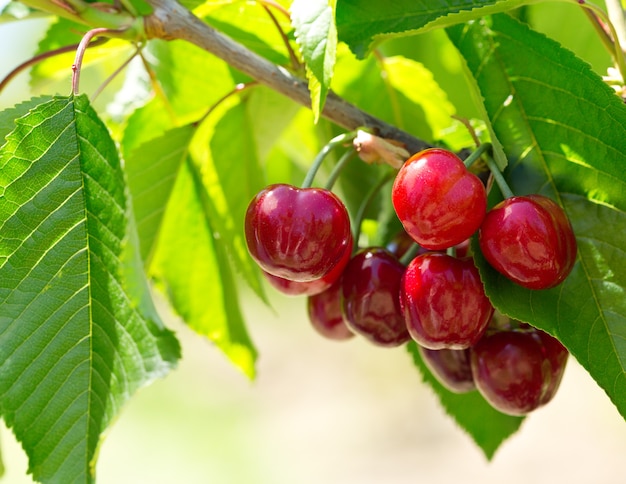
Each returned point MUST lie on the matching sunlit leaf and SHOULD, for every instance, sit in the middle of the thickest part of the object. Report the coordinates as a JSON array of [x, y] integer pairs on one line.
[[316, 34], [72, 316]]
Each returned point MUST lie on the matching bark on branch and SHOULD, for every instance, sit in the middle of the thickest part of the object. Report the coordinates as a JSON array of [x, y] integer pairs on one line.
[[172, 21]]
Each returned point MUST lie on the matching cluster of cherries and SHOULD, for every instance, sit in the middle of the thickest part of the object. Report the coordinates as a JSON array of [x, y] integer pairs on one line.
[[429, 290]]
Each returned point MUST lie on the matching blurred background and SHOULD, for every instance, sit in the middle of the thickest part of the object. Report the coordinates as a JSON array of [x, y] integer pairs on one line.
[[321, 411]]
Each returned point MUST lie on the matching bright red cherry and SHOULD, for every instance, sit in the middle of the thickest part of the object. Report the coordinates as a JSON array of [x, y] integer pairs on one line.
[[310, 288], [450, 367], [517, 371], [299, 234], [439, 202], [444, 302], [324, 311], [530, 240], [370, 305]]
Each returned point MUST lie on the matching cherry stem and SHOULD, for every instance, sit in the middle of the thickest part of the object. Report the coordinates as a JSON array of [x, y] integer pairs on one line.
[[471, 159], [317, 162], [296, 65], [367, 200], [80, 53], [343, 161], [497, 176], [113, 75], [410, 254], [41, 57]]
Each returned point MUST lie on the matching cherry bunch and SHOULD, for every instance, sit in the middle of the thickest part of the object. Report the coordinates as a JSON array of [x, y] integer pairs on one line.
[[429, 290]]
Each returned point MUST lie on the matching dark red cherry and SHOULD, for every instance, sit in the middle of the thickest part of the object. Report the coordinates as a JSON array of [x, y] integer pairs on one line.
[[299, 234], [370, 305], [324, 311], [310, 288], [450, 367], [444, 302], [515, 371], [530, 240], [439, 202]]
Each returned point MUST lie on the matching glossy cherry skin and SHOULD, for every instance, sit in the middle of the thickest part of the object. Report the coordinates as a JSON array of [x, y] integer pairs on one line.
[[450, 367], [557, 355], [530, 240], [439, 202], [370, 305], [299, 234], [515, 371], [324, 310], [310, 288], [443, 302]]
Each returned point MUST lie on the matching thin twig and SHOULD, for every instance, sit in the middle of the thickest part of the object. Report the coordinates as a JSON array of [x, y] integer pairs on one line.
[[170, 21], [295, 61], [80, 53]]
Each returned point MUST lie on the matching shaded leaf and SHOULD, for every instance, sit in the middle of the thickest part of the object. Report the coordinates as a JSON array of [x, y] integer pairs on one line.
[[70, 314], [485, 425], [152, 169], [564, 132]]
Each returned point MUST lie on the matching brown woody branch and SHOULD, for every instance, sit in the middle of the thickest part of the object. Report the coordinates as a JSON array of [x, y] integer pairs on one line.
[[172, 21]]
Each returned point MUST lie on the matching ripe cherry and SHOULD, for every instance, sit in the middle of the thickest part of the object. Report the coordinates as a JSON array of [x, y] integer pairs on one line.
[[324, 311], [310, 288], [439, 202], [518, 371], [530, 240], [450, 367], [299, 234], [370, 305], [444, 302]]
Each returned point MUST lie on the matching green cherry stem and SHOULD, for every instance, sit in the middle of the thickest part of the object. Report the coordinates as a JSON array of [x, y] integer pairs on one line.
[[343, 161], [471, 159], [410, 254], [497, 176], [317, 162], [360, 215]]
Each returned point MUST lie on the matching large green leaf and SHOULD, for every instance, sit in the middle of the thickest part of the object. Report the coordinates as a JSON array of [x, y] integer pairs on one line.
[[361, 22], [564, 132], [316, 34], [487, 427], [78, 331]]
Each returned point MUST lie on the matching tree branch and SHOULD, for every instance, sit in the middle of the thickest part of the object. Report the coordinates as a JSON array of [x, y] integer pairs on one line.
[[172, 21]]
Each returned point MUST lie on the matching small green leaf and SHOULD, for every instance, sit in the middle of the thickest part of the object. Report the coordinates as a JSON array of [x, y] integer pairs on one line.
[[361, 22], [485, 425], [316, 35], [70, 316], [564, 132]]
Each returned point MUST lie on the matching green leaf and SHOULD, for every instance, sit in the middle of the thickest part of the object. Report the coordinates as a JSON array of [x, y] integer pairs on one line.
[[361, 22], [152, 169], [78, 336], [192, 266], [316, 35], [232, 175], [485, 425], [564, 132]]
